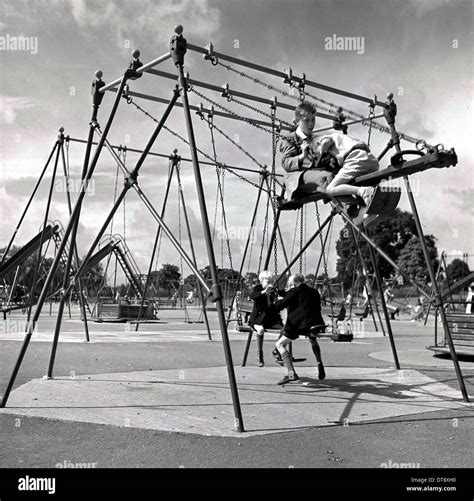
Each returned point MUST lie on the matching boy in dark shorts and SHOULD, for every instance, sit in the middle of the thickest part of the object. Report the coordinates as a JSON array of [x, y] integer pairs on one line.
[[326, 164], [303, 305]]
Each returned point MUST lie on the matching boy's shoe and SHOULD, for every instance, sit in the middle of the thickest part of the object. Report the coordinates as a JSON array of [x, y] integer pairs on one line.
[[321, 371], [260, 362], [367, 194], [277, 357], [289, 379]]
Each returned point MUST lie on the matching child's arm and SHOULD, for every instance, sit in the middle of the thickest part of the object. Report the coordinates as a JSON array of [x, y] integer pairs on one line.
[[292, 160]]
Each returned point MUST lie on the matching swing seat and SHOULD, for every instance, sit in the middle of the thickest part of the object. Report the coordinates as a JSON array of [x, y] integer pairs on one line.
[[397, 169]]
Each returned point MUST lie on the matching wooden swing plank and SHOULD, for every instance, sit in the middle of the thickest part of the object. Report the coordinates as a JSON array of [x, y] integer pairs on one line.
[[436, 160]]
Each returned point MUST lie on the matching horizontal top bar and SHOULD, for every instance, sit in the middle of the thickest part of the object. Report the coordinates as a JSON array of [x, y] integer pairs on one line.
[[205, 110], [145, 68], [162, 155], [235, 93], [283, 75], [351, 122]]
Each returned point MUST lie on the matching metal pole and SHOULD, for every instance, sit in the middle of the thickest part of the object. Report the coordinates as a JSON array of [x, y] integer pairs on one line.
[[226, 91], [198, 109], [382, 253], [141, 69], [183, 159], [45, 221], [157, 217], [390, 113], [280, 74], [276, 217], [178, 49], [367, 283], [193, 253], [438, 298], [71, 223], [306, 245], [73, 249], [247, 241], [373, 257], [155, 245]]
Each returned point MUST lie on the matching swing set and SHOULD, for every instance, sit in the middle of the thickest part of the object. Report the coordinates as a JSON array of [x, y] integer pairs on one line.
[[428, 157]]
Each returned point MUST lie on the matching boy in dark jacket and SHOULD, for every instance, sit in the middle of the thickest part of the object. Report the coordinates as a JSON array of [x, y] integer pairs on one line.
[[303, 305], [264, 314]]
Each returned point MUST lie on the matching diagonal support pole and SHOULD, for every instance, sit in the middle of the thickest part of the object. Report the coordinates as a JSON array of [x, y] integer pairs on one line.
[[72, 221], [178, 50], [193, 253]]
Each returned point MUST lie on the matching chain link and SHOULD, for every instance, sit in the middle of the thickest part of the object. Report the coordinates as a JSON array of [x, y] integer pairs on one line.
[[331, 108], [184, 140], [323, 254], [220, 180], [230, 112], [243, 150]]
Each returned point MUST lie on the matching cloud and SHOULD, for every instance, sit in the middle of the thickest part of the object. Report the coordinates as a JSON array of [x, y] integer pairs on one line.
[[132, 21], [462, 198], [10, 106]]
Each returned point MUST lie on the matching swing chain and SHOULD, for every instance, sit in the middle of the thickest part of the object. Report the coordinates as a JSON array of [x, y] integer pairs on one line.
[[371, 119], [220, 179], [331, 108], [230, 112], [211, 124], [275, 139], [301, 238], [184, 140]]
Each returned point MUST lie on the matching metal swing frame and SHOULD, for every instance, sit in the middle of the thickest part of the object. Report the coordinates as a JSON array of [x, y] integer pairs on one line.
[[178, 49]]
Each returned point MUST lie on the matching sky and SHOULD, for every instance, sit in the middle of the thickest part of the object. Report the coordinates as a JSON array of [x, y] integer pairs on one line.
[[421, 50]]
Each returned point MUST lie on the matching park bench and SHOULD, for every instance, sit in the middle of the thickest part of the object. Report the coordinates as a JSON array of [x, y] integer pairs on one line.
[[461, 326]]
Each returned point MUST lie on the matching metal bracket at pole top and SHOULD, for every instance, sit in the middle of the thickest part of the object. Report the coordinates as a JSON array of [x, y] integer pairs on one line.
[[174, 157], [135, 63], [210, 56], [97, 84], [178, 46], [390, 112]]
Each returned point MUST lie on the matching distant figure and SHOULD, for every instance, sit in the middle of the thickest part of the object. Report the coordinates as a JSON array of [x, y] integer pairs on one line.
[[419, 310], [190, 297], [392, 309]]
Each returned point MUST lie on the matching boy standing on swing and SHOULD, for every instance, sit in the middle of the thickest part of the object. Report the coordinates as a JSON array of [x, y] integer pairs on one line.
[[303, 305], [326, 164]]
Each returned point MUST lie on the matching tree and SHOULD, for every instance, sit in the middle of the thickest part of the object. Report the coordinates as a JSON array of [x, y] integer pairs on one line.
[[167, 278], [391, 235], [457, 270], [412, 261]]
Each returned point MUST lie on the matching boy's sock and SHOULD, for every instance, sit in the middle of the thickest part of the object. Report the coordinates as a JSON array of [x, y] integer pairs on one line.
[[288, 363], [260, 351], [317, 351]]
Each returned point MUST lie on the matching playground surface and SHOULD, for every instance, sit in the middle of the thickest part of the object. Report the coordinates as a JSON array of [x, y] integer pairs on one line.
[[159, 397]]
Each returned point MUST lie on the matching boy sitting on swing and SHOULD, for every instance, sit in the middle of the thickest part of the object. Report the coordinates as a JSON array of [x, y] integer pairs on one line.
[[326, 164]]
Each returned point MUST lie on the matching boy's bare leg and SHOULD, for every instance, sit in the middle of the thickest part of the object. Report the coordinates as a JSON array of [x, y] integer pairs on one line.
[[281, 346]]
